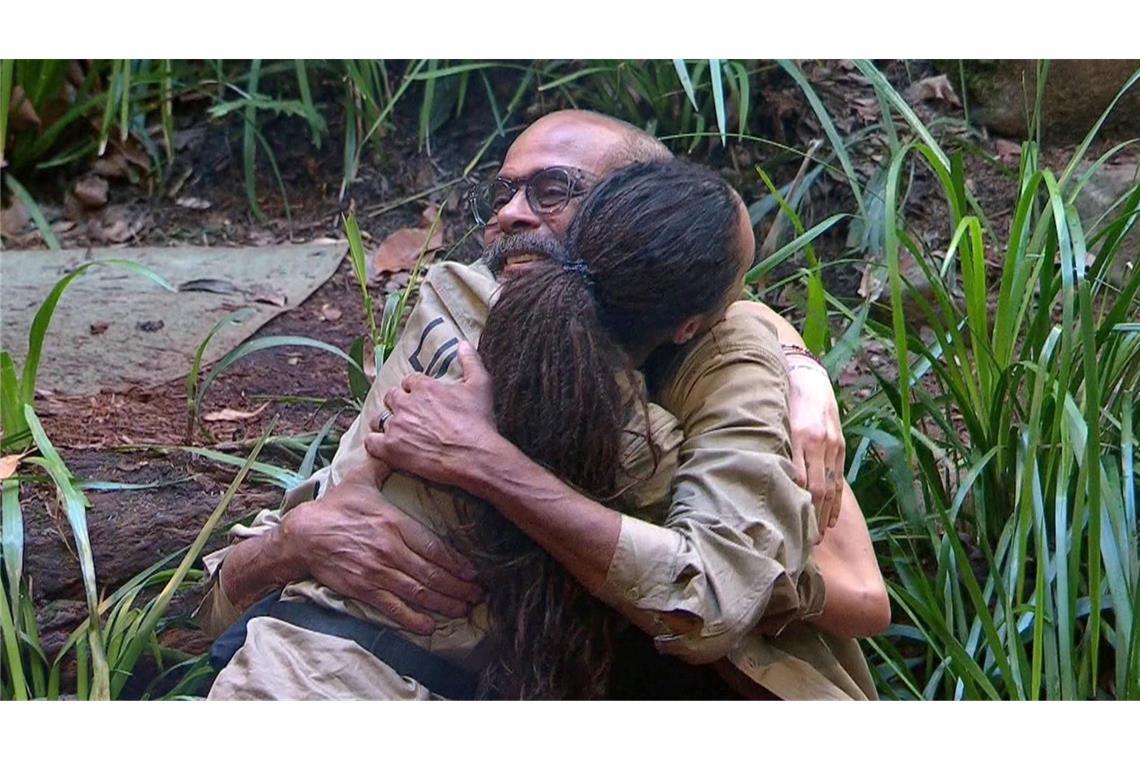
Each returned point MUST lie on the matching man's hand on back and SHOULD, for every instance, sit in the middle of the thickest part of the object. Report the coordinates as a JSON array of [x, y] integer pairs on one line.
[[362, 547], [436, 429]]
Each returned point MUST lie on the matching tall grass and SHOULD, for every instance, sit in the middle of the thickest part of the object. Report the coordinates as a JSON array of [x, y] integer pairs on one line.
[[1005, 447], [66, 113], [118, 630]]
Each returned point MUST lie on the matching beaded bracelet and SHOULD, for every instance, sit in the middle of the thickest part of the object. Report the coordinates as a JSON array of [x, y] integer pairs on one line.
[[800, 351]]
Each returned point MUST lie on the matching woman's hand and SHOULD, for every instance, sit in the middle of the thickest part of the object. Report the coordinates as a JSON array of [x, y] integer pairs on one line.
[[818, 446]]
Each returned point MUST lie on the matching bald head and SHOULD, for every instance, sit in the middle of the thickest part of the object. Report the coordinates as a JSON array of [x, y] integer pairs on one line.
[[603, 143], [582, 141]]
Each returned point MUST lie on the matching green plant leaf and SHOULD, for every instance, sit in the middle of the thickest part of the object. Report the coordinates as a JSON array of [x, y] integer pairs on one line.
[[262, 344], [75, 507], [686, 83], [718, 98], [42, 320], [33, 208]]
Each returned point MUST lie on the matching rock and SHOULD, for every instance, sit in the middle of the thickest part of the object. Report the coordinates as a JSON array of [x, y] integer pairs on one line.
[[999, 94], [1103, 190]]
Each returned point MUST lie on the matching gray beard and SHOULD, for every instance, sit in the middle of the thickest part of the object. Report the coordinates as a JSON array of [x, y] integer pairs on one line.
[[495, 255]]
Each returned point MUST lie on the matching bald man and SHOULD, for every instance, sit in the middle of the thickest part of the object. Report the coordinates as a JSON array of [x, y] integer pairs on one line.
[[355, 543]]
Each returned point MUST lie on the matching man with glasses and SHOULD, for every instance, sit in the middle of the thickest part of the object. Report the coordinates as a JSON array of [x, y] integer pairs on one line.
[[363, 548]]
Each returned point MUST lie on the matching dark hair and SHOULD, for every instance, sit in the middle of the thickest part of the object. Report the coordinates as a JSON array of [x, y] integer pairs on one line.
[[651, 245]]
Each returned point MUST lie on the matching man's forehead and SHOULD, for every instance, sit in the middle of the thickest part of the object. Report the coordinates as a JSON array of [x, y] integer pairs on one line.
[[580, 144]]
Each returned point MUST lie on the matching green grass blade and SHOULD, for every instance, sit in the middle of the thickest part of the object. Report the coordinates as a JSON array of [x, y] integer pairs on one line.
[[686, 83], [75, 507], [196, 366], [34, 210], [883, 87], [167, 109], [1079, 155], [7, 68], [793, 70], [744, 97], [276, 175], [718, 98], [309, 462], [765, 267], [316, 121], [262, 344], [134, 648], [42, 320], [12, 538], [360, 271], [249, 144], [11, 407], [14, 685]]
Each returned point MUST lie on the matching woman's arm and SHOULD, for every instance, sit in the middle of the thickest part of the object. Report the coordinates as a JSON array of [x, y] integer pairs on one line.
[[818, 447], [856, 604]]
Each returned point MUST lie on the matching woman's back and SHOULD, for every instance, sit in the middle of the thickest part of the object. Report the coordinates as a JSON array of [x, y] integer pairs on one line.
[[453, 308]]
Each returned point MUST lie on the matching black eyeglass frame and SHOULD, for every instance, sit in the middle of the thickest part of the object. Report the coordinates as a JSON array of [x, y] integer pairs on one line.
[[578, 183]]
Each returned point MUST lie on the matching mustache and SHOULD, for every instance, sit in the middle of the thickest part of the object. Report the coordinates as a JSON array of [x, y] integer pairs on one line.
[[495, 255]]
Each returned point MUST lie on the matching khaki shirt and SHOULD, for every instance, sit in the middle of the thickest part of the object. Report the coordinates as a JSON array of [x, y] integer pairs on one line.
[[718, 530]]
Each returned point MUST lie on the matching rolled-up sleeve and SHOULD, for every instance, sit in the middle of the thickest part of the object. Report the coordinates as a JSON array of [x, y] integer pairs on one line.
[[216, 612], [734, 547]]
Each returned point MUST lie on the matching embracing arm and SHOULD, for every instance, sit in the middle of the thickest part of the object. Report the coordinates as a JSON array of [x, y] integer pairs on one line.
[[818, 447], [698, 583], [857, 604], [353, 541]]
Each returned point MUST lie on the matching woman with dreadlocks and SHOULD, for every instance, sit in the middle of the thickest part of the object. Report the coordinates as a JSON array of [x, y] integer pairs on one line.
[[562, 344], [654, 256]]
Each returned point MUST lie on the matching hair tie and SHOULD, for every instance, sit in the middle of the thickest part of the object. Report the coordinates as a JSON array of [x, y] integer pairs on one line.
[[582, 269]]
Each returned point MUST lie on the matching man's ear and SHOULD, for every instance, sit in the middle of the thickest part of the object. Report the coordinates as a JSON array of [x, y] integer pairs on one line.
[[688, 329]]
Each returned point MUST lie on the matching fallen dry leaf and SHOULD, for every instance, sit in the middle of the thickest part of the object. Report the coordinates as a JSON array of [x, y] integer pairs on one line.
[[91, 191], [397, 281], [22, 111], [9, 465], [400, 250], [188, 138], [98, 328], [934, 88], [271, 296], [14, 218], [118, 225], [136, 156], [209, 285], [194, 204], [1007, 149], [873, 281], [113, 166], [330, 313], [132, 466], [262, 237], [233, 415], [430, 212]]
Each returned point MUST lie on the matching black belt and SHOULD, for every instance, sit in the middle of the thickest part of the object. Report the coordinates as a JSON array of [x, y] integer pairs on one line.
[[432, 671]]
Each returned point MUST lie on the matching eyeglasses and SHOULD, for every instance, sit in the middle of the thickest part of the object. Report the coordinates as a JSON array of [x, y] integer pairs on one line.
[[547, 192]]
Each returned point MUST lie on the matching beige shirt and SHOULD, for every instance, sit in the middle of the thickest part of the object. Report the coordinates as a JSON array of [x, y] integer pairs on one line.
[[718, 530]]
